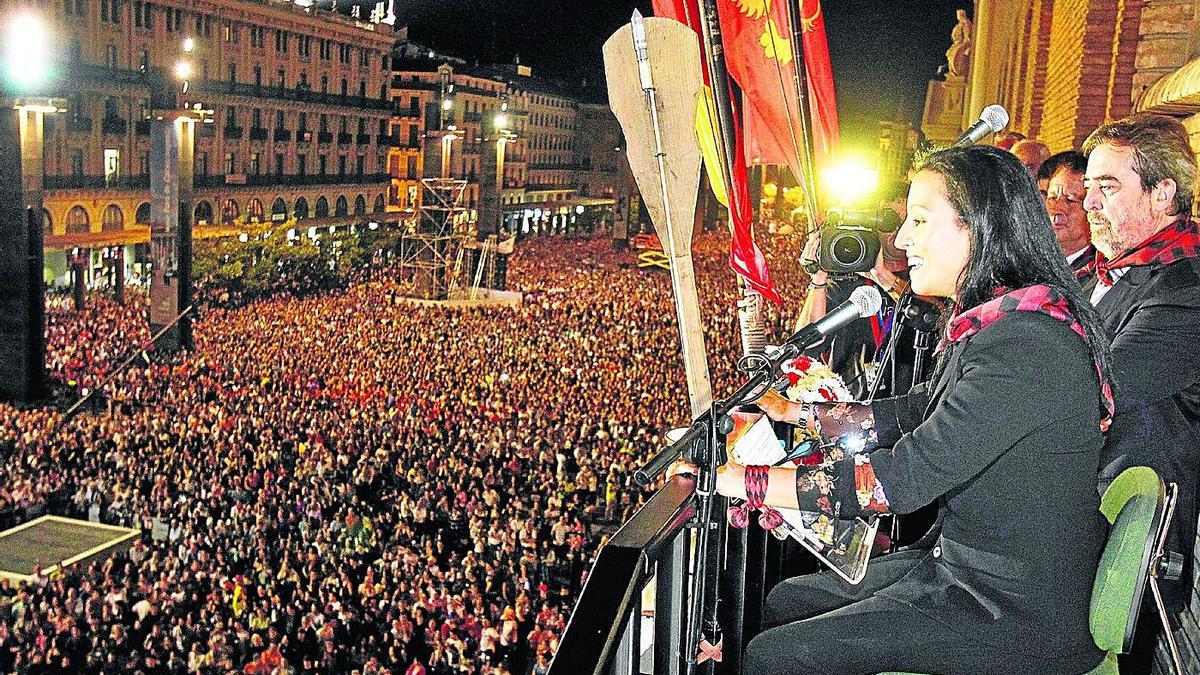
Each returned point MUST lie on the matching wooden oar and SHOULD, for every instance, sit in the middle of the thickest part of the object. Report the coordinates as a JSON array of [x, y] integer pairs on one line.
[[653, 85]]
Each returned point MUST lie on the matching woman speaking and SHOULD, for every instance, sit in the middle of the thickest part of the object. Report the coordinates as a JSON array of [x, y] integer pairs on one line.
[[1006, 435]]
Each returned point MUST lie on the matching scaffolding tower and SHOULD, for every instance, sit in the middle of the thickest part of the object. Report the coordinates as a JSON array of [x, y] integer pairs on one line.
[[436, 238]]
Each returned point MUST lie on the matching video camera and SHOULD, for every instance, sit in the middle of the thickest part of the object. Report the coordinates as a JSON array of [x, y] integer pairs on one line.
[[850, 239]]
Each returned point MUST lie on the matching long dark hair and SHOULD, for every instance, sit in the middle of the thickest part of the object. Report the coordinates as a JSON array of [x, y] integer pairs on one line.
[[1012, 244]]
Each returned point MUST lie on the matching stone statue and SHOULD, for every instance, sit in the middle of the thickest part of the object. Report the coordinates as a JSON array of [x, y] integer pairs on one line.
[[958, 57]]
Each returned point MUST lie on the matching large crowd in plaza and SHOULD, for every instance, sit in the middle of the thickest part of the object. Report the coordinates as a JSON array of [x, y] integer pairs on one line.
[[347, 483]]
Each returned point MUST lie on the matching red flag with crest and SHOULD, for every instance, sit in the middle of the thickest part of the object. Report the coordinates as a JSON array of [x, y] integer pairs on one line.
[[744, 256], [758, 51]]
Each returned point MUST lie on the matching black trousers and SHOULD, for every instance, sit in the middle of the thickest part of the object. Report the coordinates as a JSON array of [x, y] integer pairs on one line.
[[819, 624]]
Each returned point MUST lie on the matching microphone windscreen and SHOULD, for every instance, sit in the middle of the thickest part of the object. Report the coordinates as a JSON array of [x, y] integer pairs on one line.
[[995, 116], [867, 299]]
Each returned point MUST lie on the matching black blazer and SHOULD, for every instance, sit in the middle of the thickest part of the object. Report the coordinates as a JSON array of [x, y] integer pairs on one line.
[[1008, 436], [1153, 316]]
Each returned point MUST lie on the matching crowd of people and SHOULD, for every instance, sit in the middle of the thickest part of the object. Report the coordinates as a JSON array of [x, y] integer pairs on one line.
[[341, 483]]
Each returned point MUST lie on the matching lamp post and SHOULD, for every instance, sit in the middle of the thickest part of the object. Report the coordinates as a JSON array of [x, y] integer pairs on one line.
[[172, 146], [23, 106]]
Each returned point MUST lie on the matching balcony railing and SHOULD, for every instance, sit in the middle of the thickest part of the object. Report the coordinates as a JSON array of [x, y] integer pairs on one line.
[[344, 139], [324, 136], [79, 125], [215, 181], [258, 134], [114, 126], [282, 135], [233, 132], [298, 94], [384, 140], [69, 182], [363, 139]]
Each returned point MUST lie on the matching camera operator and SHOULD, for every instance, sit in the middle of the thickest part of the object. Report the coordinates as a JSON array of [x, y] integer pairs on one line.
[[856, 351]]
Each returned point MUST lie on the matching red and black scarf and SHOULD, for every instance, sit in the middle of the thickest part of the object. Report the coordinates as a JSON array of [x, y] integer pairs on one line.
[[1038, 298], [1177, 241]]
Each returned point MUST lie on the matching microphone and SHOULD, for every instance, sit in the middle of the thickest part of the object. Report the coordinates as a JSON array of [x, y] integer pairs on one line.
[[992, 120], [864, 301]]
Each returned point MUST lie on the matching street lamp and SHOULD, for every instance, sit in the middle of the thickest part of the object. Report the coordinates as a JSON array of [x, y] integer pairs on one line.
[[26, 52]]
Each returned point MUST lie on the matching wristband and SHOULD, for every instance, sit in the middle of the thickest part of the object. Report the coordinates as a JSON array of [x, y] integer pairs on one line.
[[813, 284], [757, 479]]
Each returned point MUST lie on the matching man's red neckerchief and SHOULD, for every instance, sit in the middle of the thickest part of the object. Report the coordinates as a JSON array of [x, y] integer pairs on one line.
[[1177, 241], [1038, 298]]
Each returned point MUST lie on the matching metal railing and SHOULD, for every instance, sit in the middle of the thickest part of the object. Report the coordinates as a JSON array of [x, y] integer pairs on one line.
[[605, 633]]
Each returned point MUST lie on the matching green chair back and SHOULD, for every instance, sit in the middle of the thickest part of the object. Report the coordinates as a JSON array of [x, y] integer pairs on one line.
[[1133, 506]]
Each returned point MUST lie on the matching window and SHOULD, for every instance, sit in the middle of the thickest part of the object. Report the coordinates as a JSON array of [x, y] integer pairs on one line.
[[362, 125], [113, 219], [254, 210], [339, 208], [279, 164], [303, 46], [362, 88], [364, 58], [112, 165], [174, 19], [321, 164], [302, 123], [202, 163], [322, 209], [412, 136], [258, 76], [77, 220], [281, 42], [231, 116], [281, 79], [324, 123], [110, 56], [257, 36], [341, 165], [256, 117], [232, 73], [231, 33], [342, 125], [144, 63], [279, 119], [360, 165], [230, 163], [301, 165], [74, 7], [324, 84], [301, 210], [255, 167], [229, 211], [110, 11]]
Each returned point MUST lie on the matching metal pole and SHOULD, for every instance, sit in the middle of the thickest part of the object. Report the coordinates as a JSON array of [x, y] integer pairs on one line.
[[800, 80]]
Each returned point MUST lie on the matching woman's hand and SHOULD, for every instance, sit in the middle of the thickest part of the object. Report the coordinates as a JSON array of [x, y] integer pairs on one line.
[[731, 478], [779, 408]]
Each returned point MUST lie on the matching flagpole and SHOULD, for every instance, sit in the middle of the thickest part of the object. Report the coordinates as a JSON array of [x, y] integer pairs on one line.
[[727, 546], [800, 80]]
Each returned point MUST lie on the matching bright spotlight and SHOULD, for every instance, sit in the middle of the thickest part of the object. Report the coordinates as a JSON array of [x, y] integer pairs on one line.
[[850, 182], [183, 70], [189, 45], [26, 51], [501, 120], [447, 104]]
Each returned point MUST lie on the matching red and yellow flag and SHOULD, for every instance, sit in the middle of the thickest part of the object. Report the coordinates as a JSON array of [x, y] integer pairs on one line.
[[744, 256], [758, 50]]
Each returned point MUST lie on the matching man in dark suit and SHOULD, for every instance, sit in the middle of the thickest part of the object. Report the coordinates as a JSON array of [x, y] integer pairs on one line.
[[1064, 201], [1145, 282]]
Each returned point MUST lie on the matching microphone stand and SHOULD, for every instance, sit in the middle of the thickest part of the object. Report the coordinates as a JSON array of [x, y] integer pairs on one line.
[[703, 446]]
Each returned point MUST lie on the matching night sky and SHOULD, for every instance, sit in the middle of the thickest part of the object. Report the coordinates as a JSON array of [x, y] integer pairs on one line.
[[883, 51]]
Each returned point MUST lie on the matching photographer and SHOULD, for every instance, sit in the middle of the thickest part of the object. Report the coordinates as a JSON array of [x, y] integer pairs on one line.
[[856, 351]]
